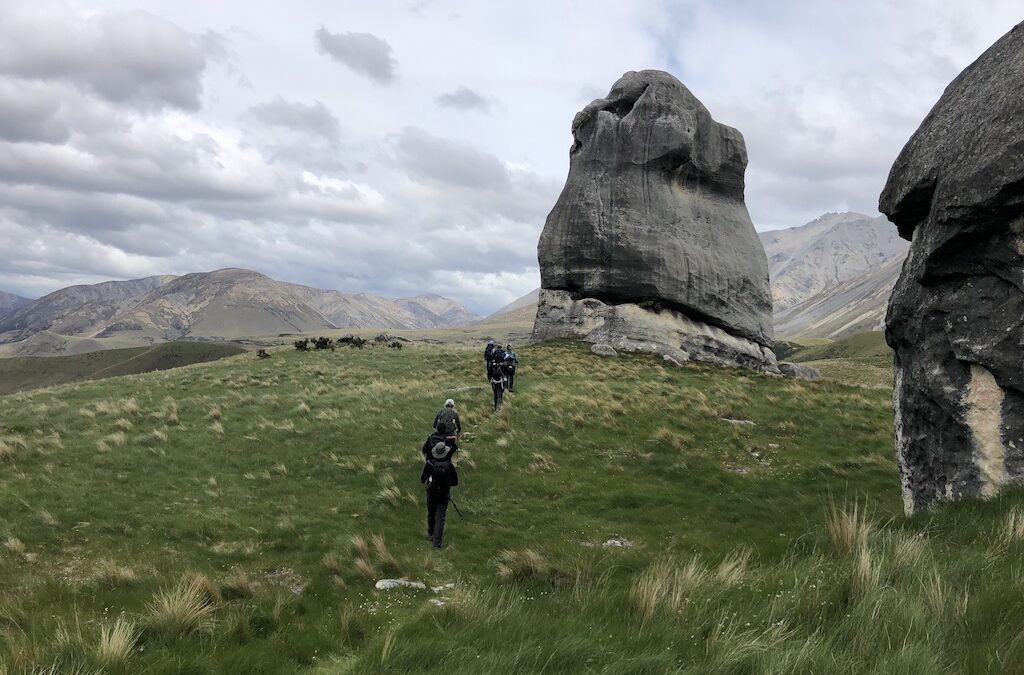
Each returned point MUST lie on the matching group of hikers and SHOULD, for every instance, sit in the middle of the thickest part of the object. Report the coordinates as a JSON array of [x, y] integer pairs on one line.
[[501, 369], [439, 475]]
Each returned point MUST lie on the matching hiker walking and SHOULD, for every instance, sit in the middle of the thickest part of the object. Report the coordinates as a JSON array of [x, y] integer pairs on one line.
[[438, 477], [496, 376], [488, 353], [447, 422], [509, 364]]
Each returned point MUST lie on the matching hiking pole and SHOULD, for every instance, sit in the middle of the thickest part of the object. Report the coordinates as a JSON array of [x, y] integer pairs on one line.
[[456, 508]]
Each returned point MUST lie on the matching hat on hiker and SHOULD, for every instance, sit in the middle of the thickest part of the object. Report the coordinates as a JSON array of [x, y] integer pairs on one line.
[[439, 451], [450, 403]]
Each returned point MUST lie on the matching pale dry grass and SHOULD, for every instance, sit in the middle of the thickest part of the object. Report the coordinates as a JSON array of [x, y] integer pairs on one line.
[[541, 463], [733, 568], [214, 413], [117, 439], [332, 565], [217, 428], [237, 585], [123, 423], [365, 569], [110, 573], [866, 572], [116, 643], [522, 564], [665, 585], [360, 546], [389, 492], [1012, 531], [384, 555], [129, 406], [302, 408], [848, 529], [185, 608]]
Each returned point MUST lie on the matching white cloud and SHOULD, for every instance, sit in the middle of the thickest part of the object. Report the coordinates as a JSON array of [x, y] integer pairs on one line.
[[206, 135]]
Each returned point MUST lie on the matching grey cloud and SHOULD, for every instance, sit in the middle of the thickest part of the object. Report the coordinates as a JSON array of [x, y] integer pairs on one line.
[[435, 160], [309, 118], [464, 98], [130, 58], [364, 53]]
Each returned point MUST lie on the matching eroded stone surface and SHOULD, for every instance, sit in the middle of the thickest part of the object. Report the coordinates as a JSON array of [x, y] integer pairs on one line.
[[629, 327], [956, 316], [652, 220]]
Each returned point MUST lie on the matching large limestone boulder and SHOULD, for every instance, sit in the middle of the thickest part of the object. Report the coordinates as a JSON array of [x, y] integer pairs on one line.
[[651, 223], [956, 316]]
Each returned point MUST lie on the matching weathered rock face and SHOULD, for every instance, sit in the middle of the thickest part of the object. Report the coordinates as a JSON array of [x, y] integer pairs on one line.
[[652, 216], [956, 316]]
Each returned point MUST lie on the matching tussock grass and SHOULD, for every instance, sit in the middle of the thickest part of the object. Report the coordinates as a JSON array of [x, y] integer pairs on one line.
[[522, 564], [112, 574], [184, 608], [332, 564], [123, 424], [237, 585], [848, 528], [117, 642], [1013, 527]]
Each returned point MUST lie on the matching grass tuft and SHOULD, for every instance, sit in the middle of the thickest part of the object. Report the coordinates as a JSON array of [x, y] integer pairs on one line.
[[848, 529], [185, 608], [116, 643], [522, 564]]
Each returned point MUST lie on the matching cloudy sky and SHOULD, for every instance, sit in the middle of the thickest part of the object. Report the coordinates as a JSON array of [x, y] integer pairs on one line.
[[404, 146]]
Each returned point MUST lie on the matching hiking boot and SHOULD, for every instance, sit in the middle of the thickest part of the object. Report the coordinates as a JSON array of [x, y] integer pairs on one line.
[[436, 547]]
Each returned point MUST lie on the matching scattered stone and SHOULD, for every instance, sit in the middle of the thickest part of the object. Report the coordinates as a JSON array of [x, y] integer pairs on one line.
[[390, 584], [734, 421], [604, 350], [799, 371], [649, 246], [618, 542], [773, 446], [442, 587], [437, 602], [741, 470], [955, 315], [671, 360]]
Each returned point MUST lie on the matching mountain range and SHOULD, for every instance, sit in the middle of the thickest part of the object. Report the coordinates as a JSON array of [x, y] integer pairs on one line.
[[10, 302], [829, 278], [227, 304]]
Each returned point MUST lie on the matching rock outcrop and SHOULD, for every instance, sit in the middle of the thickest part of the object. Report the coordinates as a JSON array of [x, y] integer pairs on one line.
[[956, 316], [650, 246]]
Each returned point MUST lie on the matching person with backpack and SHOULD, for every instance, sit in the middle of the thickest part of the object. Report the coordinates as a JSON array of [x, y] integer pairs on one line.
[[509, 364], [496, 376], [447, 422], [488, 352], [438, 477]]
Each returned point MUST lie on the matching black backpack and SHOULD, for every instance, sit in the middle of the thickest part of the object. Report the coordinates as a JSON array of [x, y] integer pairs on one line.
[[438, 476], [446, 422]]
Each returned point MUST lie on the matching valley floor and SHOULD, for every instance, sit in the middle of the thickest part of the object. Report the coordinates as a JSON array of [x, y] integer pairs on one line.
[[620, 516]]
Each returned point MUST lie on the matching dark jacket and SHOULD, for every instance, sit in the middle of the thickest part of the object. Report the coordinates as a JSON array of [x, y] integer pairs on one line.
[[488, 350], [432, 440], [453, 475], [458, 422], [496, 374]]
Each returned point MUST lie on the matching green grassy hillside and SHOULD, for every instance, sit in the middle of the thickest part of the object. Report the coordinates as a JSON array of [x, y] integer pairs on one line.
[[862, 359], [31, 372], [232, 517]]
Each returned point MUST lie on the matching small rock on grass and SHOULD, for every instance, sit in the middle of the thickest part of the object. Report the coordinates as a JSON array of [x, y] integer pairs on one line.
[[602, 349], [618, 542], [389, 584]]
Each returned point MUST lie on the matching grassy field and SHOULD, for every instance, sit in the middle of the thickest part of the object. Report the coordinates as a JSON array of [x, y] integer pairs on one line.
[[862, 359], [233, 517], [31, 372]]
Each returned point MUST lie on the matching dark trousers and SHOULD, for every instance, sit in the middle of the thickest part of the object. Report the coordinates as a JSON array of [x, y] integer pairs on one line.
[[437, 508], [511, 381], [499, 390]]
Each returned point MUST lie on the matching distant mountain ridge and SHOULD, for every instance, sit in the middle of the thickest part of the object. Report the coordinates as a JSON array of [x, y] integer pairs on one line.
[[10, 302], [804, 261], [833, 276], [228, 303]]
